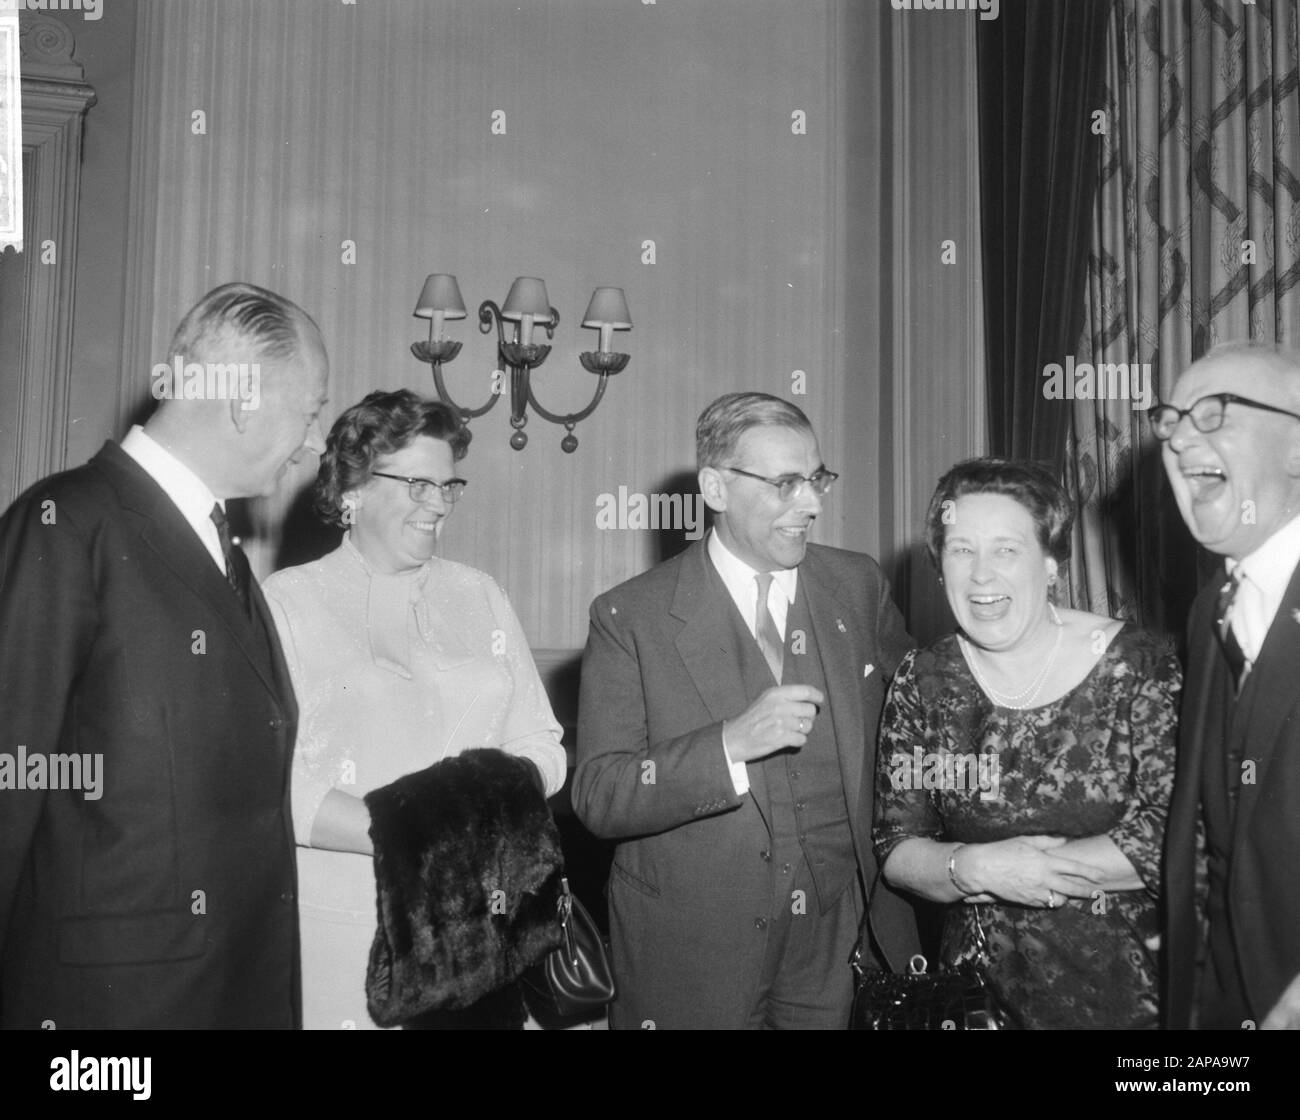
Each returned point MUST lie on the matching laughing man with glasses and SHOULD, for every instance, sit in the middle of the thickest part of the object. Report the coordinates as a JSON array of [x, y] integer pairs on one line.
[[1231, 448]]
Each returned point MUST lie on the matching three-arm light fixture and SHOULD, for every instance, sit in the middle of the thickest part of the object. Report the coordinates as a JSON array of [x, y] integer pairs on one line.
[[526, 308]]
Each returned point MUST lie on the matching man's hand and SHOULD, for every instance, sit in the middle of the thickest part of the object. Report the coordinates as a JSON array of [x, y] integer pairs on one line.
[[1285, 1015], [781, 717]]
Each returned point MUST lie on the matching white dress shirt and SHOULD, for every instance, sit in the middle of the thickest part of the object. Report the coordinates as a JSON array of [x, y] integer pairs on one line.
[[1264, 575], [740, 581], [188, 492]]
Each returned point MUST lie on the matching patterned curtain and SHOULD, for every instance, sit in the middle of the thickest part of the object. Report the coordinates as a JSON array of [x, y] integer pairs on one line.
[[1195, 241]]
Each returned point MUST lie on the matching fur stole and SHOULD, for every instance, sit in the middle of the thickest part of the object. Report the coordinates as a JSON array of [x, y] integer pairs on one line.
[[468, 868]]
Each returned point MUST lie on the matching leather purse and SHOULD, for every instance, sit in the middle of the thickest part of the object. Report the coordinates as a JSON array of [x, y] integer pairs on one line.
[[952, 999], [574, 980]]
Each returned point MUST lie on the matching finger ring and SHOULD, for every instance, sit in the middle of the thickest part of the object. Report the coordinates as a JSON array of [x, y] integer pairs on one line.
[[803, 724], [1051, 900]]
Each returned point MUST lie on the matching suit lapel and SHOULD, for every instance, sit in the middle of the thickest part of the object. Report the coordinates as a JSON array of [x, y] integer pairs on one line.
[[279, 667], [1273, 697], [836, 627], [1198, 690], [164, 530], [706, 645], [705, 641]]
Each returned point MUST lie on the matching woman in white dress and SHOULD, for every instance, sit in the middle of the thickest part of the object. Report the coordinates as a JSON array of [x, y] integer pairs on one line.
[[399, 659]]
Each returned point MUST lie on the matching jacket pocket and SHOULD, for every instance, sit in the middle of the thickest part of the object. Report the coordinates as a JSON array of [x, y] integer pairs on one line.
[[159, 935], [637, 884]]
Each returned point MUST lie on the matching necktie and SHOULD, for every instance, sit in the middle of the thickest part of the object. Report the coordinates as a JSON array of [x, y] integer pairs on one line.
[[1232, 650], [237, 571], [769, 638]]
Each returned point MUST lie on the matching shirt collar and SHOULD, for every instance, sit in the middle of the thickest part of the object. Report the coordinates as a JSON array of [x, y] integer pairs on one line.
[[188, 492], [739, 576], [1272, 564]]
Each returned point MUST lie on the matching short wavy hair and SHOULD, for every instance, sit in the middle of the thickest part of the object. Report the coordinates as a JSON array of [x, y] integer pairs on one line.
[[1033, 486], [729, 417], [380, 424]]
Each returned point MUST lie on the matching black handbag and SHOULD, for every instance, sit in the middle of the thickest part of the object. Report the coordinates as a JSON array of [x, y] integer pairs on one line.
[[952, 999], [574, 980]]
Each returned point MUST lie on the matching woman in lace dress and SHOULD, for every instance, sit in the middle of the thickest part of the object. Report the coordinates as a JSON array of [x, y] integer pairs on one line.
[[399, 659], [1026, 764]]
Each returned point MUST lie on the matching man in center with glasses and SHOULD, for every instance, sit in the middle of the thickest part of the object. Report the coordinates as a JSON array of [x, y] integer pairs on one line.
[[1230, 439], [727, 735]]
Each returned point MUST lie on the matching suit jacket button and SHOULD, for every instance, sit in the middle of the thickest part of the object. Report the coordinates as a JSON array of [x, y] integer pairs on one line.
[[286, 896], [794, 775], [799, 806], [760, 923], [767, 856]]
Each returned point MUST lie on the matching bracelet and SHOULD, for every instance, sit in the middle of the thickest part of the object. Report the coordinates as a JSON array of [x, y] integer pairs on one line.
[[952, 869]]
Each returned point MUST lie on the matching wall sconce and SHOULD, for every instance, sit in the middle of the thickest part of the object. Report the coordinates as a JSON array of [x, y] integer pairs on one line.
[[526, 308]]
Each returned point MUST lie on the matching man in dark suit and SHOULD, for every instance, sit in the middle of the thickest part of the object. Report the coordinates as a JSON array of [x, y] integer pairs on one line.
[[1231, 433], [146, 850], [726, 739]]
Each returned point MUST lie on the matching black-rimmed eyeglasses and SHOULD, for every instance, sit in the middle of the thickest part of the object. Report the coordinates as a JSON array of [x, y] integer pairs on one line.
[[421, 487], [1207, 413], [789, 485]]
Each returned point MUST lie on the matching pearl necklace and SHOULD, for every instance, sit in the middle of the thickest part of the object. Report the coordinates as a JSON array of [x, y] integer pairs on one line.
[[1018, 701]]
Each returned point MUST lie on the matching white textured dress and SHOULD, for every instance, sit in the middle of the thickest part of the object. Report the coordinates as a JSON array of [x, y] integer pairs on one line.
[[392, 674]]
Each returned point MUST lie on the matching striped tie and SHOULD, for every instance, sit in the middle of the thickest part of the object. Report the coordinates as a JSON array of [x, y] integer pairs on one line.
[[1232, 650], [769, 638]]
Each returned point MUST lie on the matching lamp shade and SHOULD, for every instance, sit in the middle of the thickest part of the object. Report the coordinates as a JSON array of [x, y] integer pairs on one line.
[[608, 308], [527, 297], [440, 293]]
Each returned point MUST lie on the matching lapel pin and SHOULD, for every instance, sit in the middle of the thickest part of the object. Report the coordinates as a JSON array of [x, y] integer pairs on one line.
[[839, 625], [866, 671]]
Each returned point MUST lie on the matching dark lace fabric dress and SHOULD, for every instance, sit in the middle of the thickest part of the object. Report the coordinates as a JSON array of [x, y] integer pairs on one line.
[[1098, 760]]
